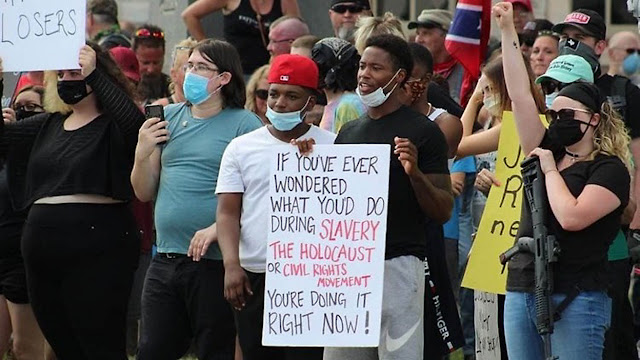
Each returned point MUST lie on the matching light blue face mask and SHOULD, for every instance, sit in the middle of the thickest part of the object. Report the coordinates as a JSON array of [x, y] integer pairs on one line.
[[195, 88], [631, 64], [285, 121], [548, 99]]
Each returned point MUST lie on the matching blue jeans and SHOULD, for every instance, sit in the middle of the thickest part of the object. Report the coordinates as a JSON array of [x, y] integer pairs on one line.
[[465, 297], [465, 222], [579, 335]]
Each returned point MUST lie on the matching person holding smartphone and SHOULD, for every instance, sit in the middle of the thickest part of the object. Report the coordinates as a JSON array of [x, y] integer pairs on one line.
[[182, 298]]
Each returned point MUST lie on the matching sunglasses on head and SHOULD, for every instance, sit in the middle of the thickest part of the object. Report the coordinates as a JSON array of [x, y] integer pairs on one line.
[[548, 33], [262, 94], [565, 114], [551, 86], [146, 33], [341, 9]]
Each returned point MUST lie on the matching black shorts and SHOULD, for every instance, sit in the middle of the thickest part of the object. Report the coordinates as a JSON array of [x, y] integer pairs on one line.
[[13, 280]]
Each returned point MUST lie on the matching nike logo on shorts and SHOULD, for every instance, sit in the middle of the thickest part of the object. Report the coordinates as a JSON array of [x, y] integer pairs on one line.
[[395, 344]]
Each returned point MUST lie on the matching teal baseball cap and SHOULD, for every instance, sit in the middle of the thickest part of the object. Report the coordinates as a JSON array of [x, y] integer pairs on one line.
[[567, 69]]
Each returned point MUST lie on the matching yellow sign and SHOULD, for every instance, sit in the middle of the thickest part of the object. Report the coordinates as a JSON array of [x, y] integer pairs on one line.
[[501, 217]]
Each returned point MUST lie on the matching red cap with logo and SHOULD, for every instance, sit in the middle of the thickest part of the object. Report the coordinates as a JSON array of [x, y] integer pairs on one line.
[[587, 21], [291, 69]]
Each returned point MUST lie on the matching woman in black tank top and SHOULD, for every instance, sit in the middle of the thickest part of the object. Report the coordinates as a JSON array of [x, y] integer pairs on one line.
[[246, 25]]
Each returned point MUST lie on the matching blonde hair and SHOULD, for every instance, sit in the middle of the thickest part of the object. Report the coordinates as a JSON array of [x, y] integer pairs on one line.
[[610, 136], [305, 41], [369, 26], [252, 86], [185, 45], [52, 101]]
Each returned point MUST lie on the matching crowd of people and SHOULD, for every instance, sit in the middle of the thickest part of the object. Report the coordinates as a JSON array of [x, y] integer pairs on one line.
[[123, 234]]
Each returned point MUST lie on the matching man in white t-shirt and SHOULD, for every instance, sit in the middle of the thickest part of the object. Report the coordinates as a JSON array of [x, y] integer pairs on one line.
[[243, 199]]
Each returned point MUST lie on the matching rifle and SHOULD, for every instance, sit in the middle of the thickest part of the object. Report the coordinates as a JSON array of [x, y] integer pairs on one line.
[[542, 245]]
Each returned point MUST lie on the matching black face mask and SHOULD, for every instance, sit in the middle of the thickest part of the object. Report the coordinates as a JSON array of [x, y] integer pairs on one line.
[[23, 114], [567, 132], [72, 91], [571, 46]]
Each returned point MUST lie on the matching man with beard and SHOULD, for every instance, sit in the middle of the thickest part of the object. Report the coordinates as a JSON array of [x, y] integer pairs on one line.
[[149, 45], [344, 14]]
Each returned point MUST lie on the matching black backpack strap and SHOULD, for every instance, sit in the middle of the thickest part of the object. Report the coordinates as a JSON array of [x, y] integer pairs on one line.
[[618, 96]]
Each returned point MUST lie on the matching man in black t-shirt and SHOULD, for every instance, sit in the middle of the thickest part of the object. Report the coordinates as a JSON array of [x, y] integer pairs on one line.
[[419, 189]]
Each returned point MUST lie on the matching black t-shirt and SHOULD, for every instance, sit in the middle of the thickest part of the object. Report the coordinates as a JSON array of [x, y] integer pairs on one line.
[[242, 29], [11, 221], [45, 160], [583, 254], [405, 218], [631, 102], [440, 98]]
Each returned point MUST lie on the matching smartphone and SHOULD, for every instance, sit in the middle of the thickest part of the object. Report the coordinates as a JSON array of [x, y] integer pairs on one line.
[[151, 111], [154, 111]]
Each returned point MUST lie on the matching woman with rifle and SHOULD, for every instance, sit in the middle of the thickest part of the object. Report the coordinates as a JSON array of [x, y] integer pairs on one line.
[[585, 158]]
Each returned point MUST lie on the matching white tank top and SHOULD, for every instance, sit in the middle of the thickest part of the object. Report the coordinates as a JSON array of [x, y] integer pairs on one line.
[[436, 112]]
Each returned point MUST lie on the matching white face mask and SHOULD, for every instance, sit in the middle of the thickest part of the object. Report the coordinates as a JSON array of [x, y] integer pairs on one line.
[[286, 121], [377, 97], [492, 105], [548, 99]]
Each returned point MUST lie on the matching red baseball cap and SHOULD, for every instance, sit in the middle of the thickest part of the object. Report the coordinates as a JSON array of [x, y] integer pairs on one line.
[[127, 61], [291, 69], [525, 3]]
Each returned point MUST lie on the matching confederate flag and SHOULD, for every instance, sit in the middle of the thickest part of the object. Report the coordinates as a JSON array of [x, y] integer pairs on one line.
[[467, 40]]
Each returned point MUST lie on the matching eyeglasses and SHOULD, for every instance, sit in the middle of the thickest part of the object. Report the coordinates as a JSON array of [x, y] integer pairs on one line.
[[198, 68], [341, 9], [146, 33], [565, 114], [27, 107], [551, 86], [631, 51], [262, 94]]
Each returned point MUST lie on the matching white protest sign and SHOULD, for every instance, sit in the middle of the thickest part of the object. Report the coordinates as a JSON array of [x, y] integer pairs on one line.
[[41, 34], [486, 325], [326, 243]]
